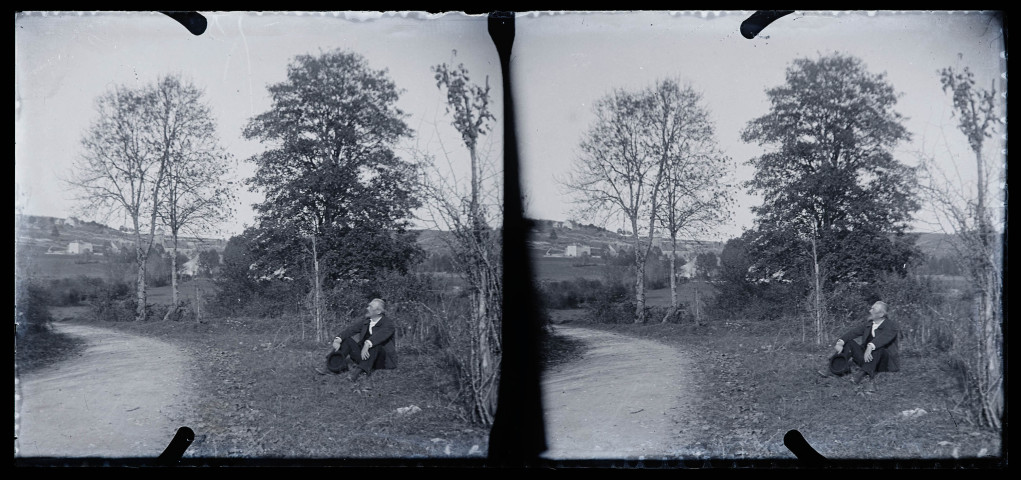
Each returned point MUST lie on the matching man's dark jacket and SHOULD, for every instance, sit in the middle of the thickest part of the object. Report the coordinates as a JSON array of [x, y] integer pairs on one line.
[[383, 336], [886, 337]]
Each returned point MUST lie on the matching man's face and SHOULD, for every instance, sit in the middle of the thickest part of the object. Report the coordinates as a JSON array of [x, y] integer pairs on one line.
[[373, 310], [876, 312]]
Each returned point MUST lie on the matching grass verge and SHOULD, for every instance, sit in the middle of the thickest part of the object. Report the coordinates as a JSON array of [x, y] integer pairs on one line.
[[38, 348]]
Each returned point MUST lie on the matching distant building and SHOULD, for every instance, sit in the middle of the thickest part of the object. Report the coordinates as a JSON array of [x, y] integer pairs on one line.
[[191, 267], [72, 222], [575, 250], [77, 248]]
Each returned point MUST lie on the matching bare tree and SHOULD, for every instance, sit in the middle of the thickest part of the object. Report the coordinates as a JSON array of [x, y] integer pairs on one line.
[[198, 189], [650, 158], [616, 174], [695, 198], [968, 217], [123, 170], [474, 241]]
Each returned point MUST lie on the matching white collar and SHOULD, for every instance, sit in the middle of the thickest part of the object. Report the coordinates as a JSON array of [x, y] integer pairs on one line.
[[373, 322]]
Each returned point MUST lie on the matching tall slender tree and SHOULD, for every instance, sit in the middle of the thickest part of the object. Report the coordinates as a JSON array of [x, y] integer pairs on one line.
[[695, 196], [123, 169], [475, 242], [968, 216], [198, 190], [618, 174]]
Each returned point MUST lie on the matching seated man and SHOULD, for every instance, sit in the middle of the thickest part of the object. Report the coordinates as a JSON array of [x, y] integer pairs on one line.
[[369, 345], [878, 351]]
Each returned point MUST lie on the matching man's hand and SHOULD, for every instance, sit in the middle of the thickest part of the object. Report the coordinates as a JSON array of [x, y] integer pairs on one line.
[[365, 352], [336, 344], [868, 352], [839, 347]]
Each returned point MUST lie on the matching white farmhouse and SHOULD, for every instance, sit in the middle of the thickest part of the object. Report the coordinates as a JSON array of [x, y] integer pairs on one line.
[[575, 250], [77, 247]]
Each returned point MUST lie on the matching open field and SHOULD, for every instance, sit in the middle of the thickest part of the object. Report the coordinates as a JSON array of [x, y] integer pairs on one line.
[[685, 294], [45, 267], [186, 289], [566, 268]]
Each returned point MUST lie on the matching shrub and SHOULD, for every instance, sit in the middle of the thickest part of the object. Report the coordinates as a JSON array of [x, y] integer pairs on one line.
[[30, 312]]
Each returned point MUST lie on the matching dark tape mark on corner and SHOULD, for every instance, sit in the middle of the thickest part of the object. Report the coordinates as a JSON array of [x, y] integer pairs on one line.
[[796, 443], [182, 440], [193, 21], [760, 20]]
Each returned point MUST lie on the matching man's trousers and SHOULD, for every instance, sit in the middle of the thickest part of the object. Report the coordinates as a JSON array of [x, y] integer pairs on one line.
[[854, 351], [352, 349]]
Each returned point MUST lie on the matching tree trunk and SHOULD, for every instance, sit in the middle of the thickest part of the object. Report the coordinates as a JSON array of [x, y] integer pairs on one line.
[[818, 293], [640, 293], [318, 319], [673, 272], [173, 274], [173, 280], [140, 258], [198, 304], [140, 296], [698, 322]]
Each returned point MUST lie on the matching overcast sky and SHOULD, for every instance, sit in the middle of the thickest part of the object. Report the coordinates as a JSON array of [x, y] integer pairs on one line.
[[562, 63], [64, 61]]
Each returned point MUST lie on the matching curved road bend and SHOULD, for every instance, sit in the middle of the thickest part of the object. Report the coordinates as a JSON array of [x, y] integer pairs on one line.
[[123, 397], [622, 399]]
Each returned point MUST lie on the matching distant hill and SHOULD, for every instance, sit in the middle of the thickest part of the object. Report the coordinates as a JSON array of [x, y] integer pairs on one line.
[[936, 245], [555, 236], [41, 234]]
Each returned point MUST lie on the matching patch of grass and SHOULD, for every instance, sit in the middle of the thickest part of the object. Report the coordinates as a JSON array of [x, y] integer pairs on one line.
[[39, 348], [756, 382], [255, 395]]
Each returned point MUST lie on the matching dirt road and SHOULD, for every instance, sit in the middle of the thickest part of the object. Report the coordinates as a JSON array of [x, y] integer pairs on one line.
[[123, 397], [622, 399]]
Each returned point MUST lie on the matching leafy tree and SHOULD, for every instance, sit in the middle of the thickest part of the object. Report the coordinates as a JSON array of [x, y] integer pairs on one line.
[[836, 201], [209, 262], [338, 199], [734, 289], [706, 267]]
